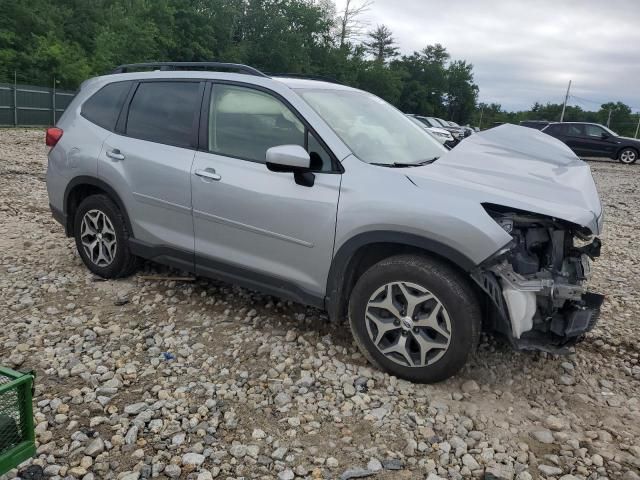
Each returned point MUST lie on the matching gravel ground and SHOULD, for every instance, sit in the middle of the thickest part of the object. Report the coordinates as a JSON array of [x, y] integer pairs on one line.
[[141, 378]]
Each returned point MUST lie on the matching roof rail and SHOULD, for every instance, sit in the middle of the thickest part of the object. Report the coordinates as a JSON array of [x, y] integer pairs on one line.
[[307, 76], [189, 66]]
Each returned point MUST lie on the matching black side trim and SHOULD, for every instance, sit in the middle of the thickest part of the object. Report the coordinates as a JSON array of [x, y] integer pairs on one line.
[[86, 180], [497, 314], [207, 267], [341, 263], [173, 257], [267, 284]]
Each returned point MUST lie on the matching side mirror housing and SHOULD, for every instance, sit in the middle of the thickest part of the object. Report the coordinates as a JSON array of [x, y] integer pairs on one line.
[[291, 158], [605, 135], [287, 158]]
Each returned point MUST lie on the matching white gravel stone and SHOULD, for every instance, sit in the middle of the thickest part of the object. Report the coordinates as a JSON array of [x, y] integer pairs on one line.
[[374, 465], [194, 459], [543, 436], [549, 470]]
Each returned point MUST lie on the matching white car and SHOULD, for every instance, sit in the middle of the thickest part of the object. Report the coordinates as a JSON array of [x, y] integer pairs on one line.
[[440, 134]]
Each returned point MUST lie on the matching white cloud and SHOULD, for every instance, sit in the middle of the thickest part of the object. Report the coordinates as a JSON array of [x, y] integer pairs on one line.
[[525, 51]]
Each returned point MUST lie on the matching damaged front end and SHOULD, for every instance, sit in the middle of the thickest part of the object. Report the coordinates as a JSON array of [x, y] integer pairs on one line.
[[537, 283]]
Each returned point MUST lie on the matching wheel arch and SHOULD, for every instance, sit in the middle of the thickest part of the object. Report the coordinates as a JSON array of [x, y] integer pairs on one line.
[[80, 188], [365, 249], [627, 147]]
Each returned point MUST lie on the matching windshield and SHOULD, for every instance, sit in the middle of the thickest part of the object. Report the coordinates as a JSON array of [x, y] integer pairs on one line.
[[425, 121], [373, 130], [437, 121], [416, 121]]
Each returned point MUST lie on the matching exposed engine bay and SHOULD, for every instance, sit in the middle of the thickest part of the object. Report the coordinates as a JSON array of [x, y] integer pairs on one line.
[[537, 282]]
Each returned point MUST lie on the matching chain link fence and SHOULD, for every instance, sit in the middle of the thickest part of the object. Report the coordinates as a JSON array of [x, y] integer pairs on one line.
[[30, 105]]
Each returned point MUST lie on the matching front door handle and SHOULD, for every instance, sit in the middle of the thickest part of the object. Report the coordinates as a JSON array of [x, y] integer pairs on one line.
[[115, 154], [208, 173]]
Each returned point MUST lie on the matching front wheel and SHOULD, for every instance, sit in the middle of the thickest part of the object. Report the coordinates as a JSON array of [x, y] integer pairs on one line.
[[628, 156], [415, 317]]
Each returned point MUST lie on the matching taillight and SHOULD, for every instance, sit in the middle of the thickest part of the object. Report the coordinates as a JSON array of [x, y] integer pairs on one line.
[[54, 134]]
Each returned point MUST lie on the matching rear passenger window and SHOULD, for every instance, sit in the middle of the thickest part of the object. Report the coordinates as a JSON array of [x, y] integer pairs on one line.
[[104, 106], [573, 130], [245, 123], [593, 131], [553, 130], [164, 112]]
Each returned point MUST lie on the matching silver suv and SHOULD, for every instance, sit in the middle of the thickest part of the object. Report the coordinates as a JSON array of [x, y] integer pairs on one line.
[[329, 196]]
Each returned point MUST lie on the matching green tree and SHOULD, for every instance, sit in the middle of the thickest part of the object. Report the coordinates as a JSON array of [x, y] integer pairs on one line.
[[374, 77], [381, 44], [461, 91], [77, 39]]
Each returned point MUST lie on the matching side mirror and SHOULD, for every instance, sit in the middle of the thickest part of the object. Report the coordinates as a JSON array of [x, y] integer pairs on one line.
[[291, 158], [604, 135], [287, 158]]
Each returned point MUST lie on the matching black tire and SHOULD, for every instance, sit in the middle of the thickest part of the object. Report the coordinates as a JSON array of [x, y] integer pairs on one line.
[[628, 156], [123, 262], [453, 291]]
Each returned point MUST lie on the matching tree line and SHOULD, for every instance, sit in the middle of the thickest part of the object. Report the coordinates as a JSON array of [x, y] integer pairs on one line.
[[617, 115], [72, 40]]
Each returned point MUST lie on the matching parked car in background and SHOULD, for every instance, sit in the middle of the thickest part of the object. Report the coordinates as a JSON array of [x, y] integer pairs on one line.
[[440, 134], [537, 124], [595, 140], [467, 130], [457, 132]]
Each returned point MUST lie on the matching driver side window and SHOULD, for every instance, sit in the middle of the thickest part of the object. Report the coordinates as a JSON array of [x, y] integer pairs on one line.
[[244, 123], [593, 131]]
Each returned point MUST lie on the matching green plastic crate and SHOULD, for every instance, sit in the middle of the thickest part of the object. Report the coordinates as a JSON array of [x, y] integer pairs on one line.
[[17, 435]]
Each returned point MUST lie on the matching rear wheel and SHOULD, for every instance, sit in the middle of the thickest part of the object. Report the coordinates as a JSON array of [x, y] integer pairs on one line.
[[415, 317], [628, 156], [101, 238]]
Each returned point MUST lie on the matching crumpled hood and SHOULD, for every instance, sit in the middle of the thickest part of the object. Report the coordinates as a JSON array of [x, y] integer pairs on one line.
[[521, 168]]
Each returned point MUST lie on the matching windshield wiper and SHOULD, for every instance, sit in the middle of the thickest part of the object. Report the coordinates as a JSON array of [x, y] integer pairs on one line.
[[404, 165]]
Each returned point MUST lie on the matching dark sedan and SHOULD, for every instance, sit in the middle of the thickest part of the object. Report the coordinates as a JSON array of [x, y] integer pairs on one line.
[[594, 140]]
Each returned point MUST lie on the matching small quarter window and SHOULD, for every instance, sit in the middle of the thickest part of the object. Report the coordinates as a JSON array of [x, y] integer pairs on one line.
[[320, 158], [104, 106]]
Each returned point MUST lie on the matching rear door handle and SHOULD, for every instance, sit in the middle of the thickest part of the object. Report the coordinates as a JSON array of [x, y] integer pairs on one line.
[[208, 173], [115, 154]]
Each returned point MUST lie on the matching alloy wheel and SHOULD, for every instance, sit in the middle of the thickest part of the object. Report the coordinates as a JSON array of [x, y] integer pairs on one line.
[[408, 324], [628, 156], [98, 238]]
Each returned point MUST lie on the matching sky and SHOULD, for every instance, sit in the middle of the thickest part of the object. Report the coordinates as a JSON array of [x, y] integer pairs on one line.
[[525, 51]]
